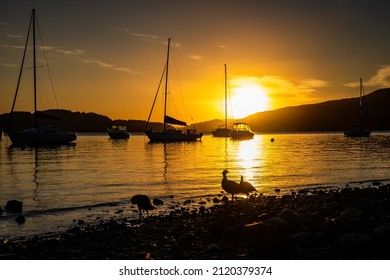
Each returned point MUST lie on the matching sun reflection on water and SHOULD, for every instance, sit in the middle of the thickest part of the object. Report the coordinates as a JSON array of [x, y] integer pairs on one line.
[[250, 157]]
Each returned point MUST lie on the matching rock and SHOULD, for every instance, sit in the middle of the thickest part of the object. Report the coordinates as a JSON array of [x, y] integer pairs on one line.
[[188, 201], [381, 234], [157, 201], [1, 211], [290, 216], [14, 206], [279, 224], [266, 239], [20, 219], [218, 227], [264, 216], [225, 199], [300, 238], [215, 200], [350, 213], [277, 190], [356, 242]]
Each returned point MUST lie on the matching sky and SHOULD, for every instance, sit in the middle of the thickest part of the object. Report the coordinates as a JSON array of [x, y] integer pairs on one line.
[[107, 56]]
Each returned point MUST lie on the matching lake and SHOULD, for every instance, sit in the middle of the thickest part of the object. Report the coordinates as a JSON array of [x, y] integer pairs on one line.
[[94, 179]]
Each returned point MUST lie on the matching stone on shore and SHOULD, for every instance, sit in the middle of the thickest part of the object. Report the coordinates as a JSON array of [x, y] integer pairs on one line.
[[14, 206]]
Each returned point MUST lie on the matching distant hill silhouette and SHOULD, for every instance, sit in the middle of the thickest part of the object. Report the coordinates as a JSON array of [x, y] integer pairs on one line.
[[74, 121], [336, 115]]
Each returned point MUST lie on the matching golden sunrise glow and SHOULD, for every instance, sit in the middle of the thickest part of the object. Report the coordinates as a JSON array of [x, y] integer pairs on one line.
[[248, 97]]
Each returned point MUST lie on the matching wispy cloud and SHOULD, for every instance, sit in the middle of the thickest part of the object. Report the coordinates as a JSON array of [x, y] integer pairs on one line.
[[109, 66], [380, 79], [70, 52], [14, 36], [195, 57], [143, 35], [280, 87], [10, 65], [11, 46], [75, 53]]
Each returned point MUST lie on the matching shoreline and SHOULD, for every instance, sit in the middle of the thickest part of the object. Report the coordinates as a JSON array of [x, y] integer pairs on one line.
[[350, 223]]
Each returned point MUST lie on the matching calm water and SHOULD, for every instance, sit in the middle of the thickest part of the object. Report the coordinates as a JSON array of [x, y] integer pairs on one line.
[[94, 179]]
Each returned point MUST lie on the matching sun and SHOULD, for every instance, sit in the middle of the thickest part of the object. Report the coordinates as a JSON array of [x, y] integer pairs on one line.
[[248, 96]]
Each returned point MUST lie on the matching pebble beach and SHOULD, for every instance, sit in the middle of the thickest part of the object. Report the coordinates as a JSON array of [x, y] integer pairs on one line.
[[348, 223]]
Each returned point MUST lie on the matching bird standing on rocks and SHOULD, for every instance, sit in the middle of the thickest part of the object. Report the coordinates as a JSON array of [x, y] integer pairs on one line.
[[246, 186], [143, 203], [235, 188]]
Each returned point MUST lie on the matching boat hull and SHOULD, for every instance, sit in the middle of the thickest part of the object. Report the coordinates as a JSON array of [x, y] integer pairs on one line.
[[241, 131], [357, 133], [241, 135], [41, 136], [222, 132], [172, 136], [119, 135]]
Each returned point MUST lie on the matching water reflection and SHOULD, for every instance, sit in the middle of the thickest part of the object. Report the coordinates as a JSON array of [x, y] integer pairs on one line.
[[249, 156]]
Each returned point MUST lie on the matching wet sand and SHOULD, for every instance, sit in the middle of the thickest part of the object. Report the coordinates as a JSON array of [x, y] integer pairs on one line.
[[350, 223]]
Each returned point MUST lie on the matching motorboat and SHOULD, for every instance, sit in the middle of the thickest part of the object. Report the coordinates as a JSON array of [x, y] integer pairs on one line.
[[118, 132], [241, 131]]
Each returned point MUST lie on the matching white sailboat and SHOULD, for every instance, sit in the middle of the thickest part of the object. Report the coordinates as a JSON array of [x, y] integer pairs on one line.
[[359, 130], [223, 131], [170, 134], [36, 135]]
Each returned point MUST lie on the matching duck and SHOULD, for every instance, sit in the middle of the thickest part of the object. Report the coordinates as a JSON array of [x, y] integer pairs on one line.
[[234, 187], [246, 186], [143, 203]]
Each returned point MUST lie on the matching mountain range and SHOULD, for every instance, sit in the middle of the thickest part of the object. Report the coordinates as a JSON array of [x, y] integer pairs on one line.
[[335, 115]]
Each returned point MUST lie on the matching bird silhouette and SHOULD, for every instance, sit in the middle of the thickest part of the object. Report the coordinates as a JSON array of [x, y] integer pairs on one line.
[[234, 187], [143, 203], [246, 186]]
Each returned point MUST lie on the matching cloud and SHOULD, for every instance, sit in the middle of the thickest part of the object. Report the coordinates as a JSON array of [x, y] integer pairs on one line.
[[280, 88], [71, 52], [11, 46], [14, 36], [143, 36], [10, 65], [381, 79], [109, 66], [196, 57]]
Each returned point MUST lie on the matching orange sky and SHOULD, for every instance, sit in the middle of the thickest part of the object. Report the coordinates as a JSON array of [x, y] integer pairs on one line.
[[107, 56]]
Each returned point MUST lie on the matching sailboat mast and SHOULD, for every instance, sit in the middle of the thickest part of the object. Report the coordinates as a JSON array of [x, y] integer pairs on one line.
[[360, 100], [166, 83], [225, 97], [35, 71]]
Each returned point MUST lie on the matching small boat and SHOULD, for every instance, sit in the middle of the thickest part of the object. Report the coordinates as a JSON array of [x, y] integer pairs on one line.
[[36, 135], [118, 132], [223, 131], [359, 130], [169, 133], [241, 131]]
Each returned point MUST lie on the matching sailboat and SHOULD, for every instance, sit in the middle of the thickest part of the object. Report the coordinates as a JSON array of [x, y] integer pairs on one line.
[[223, 131], [169, 134], [359, 130], [36, 135]]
